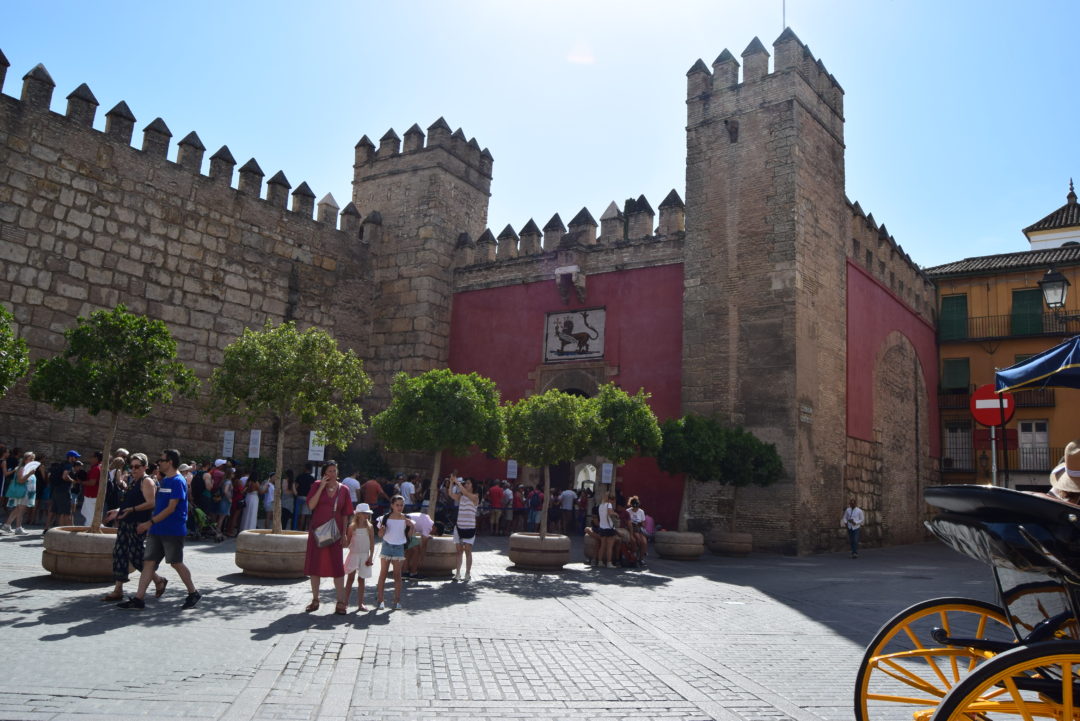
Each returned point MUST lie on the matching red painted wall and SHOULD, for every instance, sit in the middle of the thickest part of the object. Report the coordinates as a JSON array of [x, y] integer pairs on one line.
[[873, 312], [499, 333]]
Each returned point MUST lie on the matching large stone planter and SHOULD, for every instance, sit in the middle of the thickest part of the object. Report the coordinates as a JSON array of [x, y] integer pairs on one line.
[[440, 558], [679, 545], [271, 555], [73, 554], [528, 552], [726, 543]]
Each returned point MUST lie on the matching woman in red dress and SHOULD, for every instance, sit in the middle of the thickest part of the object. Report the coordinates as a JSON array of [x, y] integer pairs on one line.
[[327, 499]]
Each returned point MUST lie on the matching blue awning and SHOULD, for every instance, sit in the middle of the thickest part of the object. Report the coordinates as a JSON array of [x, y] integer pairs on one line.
[[1058, 367]]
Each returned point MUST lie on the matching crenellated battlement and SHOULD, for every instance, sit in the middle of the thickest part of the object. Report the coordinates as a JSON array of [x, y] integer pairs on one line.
[[37, 94], [715, 92], [875, 250], [634, 223], [475, 162], [624, 238]]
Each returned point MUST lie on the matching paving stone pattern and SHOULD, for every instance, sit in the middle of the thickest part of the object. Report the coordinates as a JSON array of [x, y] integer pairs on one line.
[[760, 638]]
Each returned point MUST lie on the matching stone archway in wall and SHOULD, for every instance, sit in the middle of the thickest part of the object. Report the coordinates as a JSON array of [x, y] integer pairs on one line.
[[894, 502], [582, 379]]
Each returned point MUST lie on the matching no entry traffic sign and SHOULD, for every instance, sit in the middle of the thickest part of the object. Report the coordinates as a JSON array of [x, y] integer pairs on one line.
[[987, 406]]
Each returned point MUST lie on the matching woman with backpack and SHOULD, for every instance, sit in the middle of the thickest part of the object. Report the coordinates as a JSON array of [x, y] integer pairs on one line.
[[468, 499]]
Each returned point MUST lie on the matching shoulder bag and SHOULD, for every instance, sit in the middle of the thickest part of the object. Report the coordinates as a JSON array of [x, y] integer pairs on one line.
[[328, 532]]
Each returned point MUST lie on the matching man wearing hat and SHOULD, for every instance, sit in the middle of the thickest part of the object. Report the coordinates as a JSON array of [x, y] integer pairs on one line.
[[1065, 478]]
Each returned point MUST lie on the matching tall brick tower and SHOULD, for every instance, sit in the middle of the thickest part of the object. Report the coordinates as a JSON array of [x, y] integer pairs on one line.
[[764, 271], [425, 197]]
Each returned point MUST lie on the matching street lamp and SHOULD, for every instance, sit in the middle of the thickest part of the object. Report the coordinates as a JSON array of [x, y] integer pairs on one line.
[[1055, 289]]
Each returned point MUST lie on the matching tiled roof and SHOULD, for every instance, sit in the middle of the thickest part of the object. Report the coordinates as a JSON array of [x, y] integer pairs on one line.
[[1067, 216], [1008, 262]]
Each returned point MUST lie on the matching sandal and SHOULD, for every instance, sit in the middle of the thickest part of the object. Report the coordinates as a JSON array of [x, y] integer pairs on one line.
[[341, 609], [313, 606], [159, 588], [112, 598]]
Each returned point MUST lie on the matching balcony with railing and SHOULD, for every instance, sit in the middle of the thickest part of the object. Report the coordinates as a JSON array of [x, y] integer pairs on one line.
[[1022, 460], [1016, 325], [951, 400]]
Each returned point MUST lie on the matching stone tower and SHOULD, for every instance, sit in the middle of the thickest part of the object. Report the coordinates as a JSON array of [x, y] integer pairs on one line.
[[419, 198], [765, 270]]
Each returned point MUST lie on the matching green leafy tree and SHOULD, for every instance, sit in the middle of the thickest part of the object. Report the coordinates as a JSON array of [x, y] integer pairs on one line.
[[549, 428], [14, 356], [705, 449], [115, 362], [625, 425], [291, 378], [440, 411]]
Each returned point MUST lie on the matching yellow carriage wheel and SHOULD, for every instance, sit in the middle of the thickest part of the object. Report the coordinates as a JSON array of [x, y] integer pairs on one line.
[[904, 666], [1037, 681]]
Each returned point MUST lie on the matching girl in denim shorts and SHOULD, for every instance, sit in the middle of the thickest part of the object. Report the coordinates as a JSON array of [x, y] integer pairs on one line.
[[394, 530]]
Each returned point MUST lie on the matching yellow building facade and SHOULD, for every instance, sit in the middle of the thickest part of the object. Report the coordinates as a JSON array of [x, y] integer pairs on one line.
[[991, 316]]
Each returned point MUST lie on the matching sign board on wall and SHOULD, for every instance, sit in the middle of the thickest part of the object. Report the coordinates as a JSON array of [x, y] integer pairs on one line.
[[511, 469], [574, 335], [228, 440], [315, 451], [606, 471], [255, 443]]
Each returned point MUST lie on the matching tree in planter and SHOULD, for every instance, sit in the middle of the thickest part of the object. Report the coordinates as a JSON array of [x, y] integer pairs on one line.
[[291, 378], [441, 411], [625, 425], [706, 450], [117, 362], [14, 356], [549, 428]]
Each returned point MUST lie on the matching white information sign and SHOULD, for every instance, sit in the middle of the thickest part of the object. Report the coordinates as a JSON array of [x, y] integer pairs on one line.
[[315, 451], [255, 443], [227, 441], [606, 473], [511, 469]]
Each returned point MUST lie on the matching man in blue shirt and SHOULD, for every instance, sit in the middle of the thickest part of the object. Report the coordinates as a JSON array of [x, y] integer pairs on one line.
[[167, 529]]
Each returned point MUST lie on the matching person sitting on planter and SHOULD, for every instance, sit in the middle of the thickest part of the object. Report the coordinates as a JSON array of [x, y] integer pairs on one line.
[[636, 516], [416, 548]]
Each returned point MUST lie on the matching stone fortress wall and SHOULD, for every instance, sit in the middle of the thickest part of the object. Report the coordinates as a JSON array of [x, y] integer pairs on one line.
[[88, 221], [765, 237]]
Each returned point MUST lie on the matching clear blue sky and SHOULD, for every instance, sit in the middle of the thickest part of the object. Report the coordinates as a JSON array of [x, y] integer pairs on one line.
[[960, 127]]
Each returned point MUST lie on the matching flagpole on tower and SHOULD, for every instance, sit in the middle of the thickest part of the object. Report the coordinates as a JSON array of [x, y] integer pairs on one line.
[[783, 15]]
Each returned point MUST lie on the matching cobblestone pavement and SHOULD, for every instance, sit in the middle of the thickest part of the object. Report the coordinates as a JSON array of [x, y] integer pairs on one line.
[[763, 637]]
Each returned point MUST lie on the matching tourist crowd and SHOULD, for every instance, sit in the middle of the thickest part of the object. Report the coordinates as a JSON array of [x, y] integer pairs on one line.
[[155, 504]]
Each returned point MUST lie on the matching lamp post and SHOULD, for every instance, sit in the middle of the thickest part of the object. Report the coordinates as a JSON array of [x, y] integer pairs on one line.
[[1055, 290]]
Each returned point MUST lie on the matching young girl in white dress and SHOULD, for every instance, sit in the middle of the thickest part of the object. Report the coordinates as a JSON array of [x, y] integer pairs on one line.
[[360, 540]]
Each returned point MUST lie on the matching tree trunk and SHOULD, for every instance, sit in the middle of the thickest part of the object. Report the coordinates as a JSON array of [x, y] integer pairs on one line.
[[547, 500], [684, 507], [734, 507], [103, 476], [433, 500], [279, 462]]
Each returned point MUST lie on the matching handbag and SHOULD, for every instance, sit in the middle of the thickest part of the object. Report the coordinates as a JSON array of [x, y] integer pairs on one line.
[[16, 489], [328, 532]]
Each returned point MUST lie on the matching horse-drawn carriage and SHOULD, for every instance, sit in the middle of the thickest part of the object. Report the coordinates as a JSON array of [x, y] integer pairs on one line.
[[959, 658]]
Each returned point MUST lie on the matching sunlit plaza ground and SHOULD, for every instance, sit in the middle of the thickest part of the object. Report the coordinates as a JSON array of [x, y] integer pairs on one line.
[[763, 637]]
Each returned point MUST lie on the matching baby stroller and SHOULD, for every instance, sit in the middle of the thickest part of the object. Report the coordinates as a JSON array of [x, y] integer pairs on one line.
[[200, 526]]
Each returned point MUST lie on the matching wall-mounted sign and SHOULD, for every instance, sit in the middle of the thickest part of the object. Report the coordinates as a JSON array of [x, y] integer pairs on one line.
[[228, 439], [606, 473], [574, 335], [255, 443], [315, 451], [511, 469]]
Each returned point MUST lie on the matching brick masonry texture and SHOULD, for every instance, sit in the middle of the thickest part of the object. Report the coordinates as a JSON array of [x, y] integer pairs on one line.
[[764, 241]]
